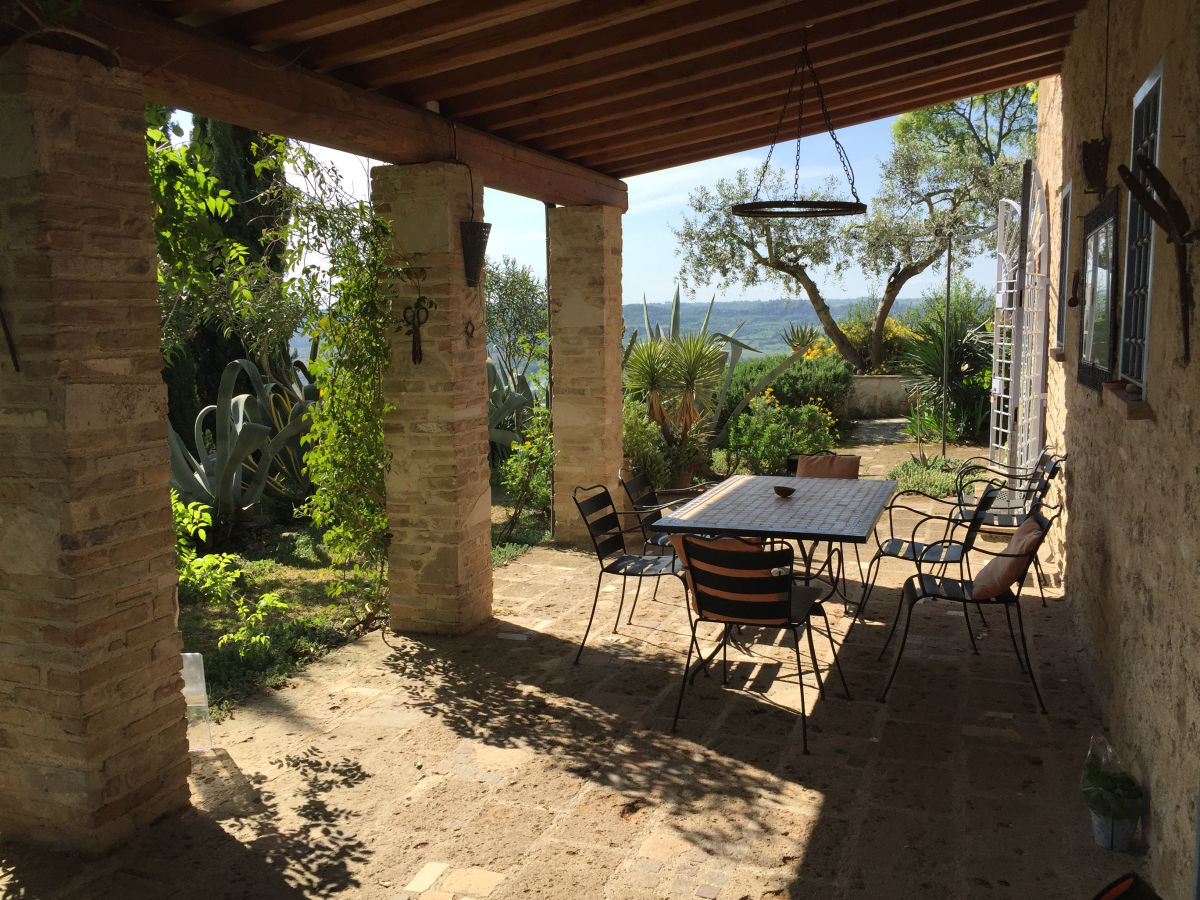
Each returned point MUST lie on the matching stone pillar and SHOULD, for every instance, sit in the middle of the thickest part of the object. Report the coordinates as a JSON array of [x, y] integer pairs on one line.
[[438, 496], [93, 738], [585, 333]]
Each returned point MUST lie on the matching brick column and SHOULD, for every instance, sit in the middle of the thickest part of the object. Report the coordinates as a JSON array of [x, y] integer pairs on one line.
[[585, 332], [92, 734], [439, 499]]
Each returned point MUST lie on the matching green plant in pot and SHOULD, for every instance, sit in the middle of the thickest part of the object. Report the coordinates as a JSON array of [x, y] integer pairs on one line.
[[1113, 797]]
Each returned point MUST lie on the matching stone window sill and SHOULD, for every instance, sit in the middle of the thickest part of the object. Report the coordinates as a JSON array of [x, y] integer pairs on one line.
[[1058, 354], [1131, 406]]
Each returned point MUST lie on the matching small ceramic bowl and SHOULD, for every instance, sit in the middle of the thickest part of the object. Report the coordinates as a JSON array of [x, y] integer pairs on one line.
[[784, 491]]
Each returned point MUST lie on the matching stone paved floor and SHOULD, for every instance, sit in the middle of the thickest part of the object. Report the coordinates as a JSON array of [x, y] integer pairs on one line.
[[490, 766]]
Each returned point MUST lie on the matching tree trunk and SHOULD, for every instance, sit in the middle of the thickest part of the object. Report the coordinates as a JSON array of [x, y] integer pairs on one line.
[[840, 342], [900, 276]]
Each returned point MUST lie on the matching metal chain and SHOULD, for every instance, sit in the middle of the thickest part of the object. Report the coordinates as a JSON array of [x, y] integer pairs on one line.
[[778, 127], [846, 167], [799, 130]]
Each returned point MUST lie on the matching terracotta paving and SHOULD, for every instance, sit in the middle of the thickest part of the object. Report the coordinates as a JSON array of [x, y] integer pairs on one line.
[[489, 765]]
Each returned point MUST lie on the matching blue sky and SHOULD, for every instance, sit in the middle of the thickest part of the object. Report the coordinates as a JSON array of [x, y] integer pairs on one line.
[[658, 201]]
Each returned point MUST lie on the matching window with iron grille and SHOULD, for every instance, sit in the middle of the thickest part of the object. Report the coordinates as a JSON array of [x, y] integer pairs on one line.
[[1139, 241], [1064, 245]]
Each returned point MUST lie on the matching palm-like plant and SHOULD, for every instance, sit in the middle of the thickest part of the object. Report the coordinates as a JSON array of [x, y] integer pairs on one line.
[[696, 366], [970, 355]]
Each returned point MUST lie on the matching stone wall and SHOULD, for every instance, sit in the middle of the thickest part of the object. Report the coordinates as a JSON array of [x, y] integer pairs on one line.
[[879, 397], [438, 496], [1133, 536], [585, 363], [92, 731]]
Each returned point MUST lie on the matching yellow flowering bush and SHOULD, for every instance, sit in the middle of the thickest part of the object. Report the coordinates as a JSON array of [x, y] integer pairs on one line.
[[857, 329], [763, 438]]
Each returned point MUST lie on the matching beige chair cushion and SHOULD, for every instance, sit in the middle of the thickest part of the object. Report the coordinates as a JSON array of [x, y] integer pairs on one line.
[[844, 466], [1002, 572]]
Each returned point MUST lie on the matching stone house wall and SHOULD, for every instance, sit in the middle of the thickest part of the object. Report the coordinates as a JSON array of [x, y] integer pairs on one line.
[[1133, 536]]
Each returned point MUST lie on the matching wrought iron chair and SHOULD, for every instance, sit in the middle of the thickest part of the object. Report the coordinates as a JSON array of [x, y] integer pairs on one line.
[[603, 523], [736, 582], [830, 465], [913, 544], [998, 583], [1023, 489], [650, 505]]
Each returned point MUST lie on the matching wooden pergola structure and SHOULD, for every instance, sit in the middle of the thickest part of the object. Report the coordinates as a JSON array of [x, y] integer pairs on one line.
[[550, 99]]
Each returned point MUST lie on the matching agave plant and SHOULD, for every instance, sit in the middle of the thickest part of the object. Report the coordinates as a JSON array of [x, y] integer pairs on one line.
[[234, 475], [510, 397], [800, 337]]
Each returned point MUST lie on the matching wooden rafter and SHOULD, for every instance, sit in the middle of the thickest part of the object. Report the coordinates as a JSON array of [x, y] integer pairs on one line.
[[620, 87], [203, 74]]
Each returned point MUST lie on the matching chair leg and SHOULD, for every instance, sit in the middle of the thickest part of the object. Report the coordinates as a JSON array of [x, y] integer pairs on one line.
[[803, 704], [595, 600], [621, 605], [687, 664], [833, 648], [1012, 636], [653, 596], [892, 630], [1037, 572], [868, 585], [970, 633], [900, 649], [636, 592], [812, 652], [966, 564], [1028, 661]]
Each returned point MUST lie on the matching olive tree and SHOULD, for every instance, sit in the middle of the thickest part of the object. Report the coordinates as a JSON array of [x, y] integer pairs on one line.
[[948, 168]]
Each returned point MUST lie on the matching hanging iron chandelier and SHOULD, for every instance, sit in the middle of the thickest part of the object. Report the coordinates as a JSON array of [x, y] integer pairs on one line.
[[797, 208]]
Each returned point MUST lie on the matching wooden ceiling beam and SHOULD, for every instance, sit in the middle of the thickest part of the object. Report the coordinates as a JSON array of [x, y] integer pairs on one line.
[[197, 12], [604, 152], [632, 74], [185, 68], [749, 86], [529, 48], [438, 21], [724, 45], [295, 20], [724, 145]]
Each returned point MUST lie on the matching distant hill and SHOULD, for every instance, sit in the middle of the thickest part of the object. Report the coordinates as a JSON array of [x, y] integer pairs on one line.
[[763, 319]]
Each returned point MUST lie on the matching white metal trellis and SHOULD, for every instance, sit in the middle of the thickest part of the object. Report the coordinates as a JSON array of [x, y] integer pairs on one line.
[[1020, 333], [1035, 323]]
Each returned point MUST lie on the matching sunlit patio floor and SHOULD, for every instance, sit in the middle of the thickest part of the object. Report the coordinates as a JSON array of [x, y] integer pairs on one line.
[[489, 765]]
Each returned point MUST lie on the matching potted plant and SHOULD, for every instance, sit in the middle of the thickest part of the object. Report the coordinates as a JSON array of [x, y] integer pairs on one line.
[[1113, 797]]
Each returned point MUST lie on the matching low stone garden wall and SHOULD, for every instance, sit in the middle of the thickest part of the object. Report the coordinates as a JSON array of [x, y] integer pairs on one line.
[[879, 397]]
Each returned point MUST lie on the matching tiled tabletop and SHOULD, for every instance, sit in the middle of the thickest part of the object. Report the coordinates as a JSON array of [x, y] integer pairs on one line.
[[842, 510]]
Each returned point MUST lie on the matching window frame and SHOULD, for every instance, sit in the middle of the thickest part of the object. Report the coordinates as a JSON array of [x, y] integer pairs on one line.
[[1064, 255], [1098, 368], [1138, 256]]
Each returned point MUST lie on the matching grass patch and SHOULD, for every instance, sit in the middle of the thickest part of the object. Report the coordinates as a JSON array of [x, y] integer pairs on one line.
[[933, 475], [530, 532], [310, 627]]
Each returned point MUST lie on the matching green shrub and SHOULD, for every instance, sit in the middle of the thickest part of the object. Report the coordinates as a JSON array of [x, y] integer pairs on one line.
[[827, 380], [930, 475], [927, 426], [642, 443], [764, 438]]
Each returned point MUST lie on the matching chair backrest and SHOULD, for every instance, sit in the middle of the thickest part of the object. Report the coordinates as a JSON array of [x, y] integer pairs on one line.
[[979, 513], [1002, 573], [640, 491], [827, 465], [739, 581], [600, 517]]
